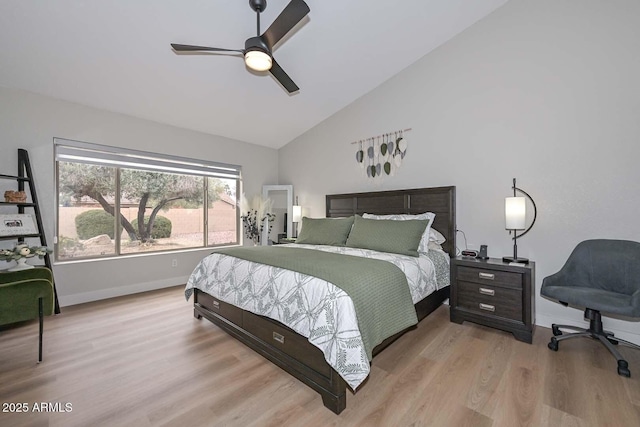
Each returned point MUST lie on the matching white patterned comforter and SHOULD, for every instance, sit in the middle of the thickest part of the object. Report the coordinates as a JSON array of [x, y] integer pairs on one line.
[[313, 307]]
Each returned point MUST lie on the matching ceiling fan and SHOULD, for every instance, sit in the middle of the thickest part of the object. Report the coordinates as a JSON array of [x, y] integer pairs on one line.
[[258, 50]]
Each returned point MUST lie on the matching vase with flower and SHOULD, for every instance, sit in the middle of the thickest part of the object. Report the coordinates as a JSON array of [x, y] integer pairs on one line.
[[20, 253], [256, 215]]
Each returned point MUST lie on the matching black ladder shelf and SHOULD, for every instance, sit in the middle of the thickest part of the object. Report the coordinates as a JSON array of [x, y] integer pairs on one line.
[[25, 176]]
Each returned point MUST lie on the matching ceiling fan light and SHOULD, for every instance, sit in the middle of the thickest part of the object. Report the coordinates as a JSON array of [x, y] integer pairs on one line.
[[257, 60]]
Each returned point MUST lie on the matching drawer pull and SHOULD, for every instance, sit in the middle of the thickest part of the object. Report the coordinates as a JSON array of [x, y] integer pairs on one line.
[[488, 276], [278, 337], [487, 307], [216, 305], [487, 291]]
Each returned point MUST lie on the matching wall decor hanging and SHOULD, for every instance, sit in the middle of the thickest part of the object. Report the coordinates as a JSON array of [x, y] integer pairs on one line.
[[381, 155]]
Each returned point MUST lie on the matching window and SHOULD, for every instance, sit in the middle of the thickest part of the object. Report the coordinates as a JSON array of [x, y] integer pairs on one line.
[[113, 202]]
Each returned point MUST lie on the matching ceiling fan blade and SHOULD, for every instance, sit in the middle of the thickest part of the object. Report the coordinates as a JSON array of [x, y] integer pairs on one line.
[[277, 72], [189, 48], [290, 16]]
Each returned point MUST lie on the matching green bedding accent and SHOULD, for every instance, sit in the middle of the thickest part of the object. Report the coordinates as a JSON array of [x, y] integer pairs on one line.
[[378, 289]]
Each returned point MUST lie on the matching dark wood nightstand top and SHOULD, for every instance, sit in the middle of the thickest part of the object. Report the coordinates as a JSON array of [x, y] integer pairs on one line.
[[493, 264]]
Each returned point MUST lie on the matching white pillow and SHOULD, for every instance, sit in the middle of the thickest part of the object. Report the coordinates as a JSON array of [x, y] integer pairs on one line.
[[424, 240], [436, 237], [433, 246]]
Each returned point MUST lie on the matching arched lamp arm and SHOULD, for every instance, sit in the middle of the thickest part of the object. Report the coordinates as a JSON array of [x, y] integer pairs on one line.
[[535, 211]]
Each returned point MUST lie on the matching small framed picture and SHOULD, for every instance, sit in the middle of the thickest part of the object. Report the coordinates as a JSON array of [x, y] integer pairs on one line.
[[17, 224]]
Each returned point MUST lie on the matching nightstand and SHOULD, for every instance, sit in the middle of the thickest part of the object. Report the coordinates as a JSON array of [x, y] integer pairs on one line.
[[493, 293]]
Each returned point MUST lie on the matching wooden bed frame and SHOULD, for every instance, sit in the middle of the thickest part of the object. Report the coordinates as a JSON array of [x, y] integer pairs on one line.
[[291, 351]]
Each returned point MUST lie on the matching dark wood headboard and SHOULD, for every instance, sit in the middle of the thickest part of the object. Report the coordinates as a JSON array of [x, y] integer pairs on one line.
[[439, 200]]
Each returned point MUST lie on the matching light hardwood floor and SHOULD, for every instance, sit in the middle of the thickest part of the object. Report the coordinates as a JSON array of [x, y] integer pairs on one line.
[[144, 360]]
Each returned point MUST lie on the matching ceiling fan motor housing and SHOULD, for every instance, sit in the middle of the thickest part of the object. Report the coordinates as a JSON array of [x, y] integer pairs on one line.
[[256, 43], [257, 55]]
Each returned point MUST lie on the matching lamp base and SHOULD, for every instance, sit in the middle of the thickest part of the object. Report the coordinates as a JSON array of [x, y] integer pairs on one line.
[[517, 260]]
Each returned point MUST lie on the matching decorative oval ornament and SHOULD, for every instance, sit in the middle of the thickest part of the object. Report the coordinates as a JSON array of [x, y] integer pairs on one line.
[[370, 152], [378, 169], [368, 171], [383, 149], [387, 168], [359, 156], [390, 147], [402, 144], [373, 171]]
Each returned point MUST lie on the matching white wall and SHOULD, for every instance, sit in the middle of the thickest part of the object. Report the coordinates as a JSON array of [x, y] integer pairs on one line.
[[31, 121], [545, 91]]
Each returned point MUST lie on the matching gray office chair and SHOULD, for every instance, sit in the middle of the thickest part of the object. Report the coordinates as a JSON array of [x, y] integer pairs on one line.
[[600, 275]]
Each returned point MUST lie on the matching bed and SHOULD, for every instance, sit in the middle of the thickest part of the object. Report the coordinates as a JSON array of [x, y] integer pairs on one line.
[[293, 350]]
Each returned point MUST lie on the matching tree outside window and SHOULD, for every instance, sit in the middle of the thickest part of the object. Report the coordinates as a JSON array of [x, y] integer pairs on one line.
[[153, 211]]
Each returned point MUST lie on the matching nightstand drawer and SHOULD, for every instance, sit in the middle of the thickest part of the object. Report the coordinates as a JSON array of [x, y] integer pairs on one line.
[[490, 277], [493, 300]]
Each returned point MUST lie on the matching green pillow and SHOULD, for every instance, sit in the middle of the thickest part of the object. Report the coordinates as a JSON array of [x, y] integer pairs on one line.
[[398, 237], [325, 231]]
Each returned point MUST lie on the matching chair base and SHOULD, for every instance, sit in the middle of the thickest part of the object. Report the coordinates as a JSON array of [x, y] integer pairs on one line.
[[595, 331]]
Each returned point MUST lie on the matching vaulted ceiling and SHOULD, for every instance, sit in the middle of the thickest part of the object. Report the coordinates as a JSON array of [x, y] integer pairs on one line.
[[116, 55]]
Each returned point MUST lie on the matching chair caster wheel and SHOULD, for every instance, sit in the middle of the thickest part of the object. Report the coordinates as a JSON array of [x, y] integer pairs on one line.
[[624, 372], [553, 344], [556, 330], [623, 368]]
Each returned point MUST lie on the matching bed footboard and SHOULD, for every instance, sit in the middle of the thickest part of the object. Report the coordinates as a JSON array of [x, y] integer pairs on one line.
[[281, 345]]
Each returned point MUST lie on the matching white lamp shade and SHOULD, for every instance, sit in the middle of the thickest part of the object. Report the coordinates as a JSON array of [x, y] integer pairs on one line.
[[257, 60], [297, 213], [515, 213]]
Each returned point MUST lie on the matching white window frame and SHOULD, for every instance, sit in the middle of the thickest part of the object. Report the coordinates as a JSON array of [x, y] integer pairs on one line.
[[71, 151]]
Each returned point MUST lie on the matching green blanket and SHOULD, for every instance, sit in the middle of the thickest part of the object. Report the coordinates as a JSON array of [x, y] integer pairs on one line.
[[378, 289]]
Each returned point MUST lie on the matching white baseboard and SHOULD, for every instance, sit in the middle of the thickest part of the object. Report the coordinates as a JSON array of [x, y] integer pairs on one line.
[[101, 294]]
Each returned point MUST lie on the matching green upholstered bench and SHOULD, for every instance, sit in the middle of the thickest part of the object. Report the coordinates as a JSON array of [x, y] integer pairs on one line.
[[25, 295]]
